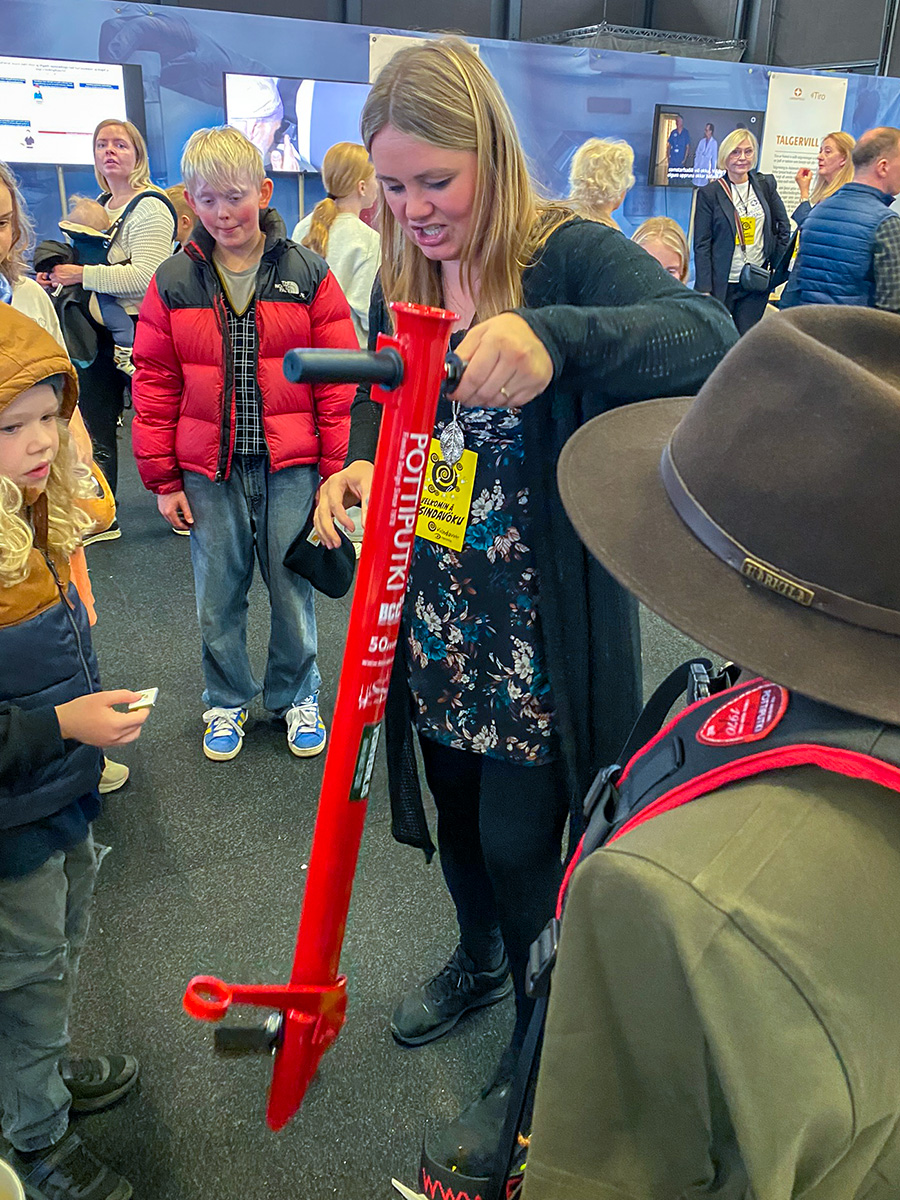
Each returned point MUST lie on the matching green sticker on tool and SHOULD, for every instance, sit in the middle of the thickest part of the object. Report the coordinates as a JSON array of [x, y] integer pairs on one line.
[[365, 762]]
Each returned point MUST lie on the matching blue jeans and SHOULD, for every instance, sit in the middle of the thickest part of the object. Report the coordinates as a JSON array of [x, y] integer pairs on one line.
[[116, 319], [44, 919], [255, 512]]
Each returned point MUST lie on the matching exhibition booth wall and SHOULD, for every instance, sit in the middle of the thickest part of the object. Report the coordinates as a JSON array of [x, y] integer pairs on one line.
[[559, 96]]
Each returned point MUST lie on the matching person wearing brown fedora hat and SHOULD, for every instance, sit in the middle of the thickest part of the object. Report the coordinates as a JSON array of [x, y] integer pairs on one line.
[[723, 1016]]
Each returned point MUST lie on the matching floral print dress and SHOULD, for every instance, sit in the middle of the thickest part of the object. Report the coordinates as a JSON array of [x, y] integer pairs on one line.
[[475, 650]]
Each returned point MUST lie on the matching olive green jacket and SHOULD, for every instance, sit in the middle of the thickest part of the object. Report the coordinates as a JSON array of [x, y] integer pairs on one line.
[[725, 1013]]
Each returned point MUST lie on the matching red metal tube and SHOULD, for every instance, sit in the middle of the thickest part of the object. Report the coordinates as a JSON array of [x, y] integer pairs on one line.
[[314, 1002]]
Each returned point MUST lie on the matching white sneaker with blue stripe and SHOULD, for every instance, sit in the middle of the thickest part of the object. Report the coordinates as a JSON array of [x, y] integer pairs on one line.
[[306, 731], [224, 734]]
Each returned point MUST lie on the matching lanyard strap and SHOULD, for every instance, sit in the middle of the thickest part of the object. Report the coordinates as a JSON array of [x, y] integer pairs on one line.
[[737, 217]]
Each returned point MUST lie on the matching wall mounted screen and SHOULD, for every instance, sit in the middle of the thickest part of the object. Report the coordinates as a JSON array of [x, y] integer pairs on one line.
[[49, 107], [686, 142], [292, 122]]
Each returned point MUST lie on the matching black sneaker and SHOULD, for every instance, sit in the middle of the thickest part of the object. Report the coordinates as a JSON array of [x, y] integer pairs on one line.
[[467, 1147], [434, 1007], [97, 1083], [68, 1171]]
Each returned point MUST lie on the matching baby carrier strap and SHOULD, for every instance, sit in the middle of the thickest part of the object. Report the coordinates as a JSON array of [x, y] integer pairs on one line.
[[113, 232]]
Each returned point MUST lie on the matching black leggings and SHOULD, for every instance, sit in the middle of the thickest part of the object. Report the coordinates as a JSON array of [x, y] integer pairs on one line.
[[101, 399], [500, 829]]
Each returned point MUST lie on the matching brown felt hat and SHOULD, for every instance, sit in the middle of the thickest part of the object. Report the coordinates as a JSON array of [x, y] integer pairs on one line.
[[762, 517]]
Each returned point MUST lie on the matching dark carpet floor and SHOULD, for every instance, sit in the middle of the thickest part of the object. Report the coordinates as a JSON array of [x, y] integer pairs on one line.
[[205, 876]]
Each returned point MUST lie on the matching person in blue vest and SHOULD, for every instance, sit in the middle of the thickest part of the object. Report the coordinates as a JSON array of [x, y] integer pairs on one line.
[[720, 1018], [850, 249]]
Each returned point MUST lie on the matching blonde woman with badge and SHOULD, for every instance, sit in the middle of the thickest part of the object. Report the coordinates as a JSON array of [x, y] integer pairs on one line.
[[741, 231]]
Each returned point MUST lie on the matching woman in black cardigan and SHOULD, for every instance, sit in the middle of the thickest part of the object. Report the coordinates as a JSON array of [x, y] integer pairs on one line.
[[739, 219], [518, 663]]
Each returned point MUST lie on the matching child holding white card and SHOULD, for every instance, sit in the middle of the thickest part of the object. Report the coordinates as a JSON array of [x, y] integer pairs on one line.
[[53, 719]]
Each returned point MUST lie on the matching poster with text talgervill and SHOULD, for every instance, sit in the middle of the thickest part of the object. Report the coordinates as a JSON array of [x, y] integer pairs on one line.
[[800, 111]]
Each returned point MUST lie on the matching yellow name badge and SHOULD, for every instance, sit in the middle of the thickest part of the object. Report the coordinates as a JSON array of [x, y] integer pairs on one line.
[[748, 224], [446, 498]]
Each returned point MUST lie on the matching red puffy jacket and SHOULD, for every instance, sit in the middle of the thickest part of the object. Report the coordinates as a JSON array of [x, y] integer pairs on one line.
[[183, 388]]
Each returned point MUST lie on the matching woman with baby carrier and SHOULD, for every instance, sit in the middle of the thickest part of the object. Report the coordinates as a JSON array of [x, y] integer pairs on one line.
[[143, 238]]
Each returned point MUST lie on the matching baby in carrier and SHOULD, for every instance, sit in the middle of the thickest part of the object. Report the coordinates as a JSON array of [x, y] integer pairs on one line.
[[88, 229]]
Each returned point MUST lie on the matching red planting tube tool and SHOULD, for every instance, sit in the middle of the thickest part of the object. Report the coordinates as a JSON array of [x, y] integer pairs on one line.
[[407, 371]]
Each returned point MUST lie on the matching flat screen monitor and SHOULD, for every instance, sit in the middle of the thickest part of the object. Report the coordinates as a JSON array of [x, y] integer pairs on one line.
[[293, 121], [686, 142], [49, 107]]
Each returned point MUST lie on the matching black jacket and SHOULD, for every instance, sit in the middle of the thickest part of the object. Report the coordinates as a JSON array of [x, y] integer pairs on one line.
[[715, 229], [47, 660], [71, 303], [618, 329]]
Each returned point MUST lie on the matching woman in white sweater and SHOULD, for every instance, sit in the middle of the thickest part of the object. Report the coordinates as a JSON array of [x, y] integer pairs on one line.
[[333, 229], [144, 238], [15, 236]]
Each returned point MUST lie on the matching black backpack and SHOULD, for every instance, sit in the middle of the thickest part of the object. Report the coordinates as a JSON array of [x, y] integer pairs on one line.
[[729, 731]]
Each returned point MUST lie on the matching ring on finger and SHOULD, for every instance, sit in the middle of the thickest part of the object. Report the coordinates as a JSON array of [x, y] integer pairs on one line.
[[504, 393]]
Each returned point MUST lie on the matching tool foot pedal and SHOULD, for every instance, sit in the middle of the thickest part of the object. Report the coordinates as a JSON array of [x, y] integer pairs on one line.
[[249, 1039]]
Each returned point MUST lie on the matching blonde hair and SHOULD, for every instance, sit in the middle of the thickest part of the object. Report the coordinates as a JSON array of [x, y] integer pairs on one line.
[[176, 194], [14, 266], [669, 233], [602, 172], [90, 210], [736, 138], [221, 157], [68, 482], [140, 177], [845, 143], [344, 166], [441, 93]]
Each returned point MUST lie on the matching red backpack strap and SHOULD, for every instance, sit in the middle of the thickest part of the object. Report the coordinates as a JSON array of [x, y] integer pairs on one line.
[[689, 675], [852, 763], [745, 730]]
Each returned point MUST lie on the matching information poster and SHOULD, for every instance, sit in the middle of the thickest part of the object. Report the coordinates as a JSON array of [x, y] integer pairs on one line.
[[801, 110], [49, 108], [383, 47]]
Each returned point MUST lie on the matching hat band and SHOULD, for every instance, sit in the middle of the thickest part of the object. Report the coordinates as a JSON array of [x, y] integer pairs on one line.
[[757, 570]]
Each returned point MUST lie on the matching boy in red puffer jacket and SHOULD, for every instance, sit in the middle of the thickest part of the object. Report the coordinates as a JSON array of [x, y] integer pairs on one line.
[[233, 451]]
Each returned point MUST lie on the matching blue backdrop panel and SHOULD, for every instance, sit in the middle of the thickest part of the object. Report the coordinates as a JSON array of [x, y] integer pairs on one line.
[[559, 95]]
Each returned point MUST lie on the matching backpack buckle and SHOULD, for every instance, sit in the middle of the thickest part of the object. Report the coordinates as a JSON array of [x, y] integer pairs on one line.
[[600, 790], [542, 959], [699, 685]]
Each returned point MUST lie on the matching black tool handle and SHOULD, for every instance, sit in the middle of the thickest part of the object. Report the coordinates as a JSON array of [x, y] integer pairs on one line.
[[384, 367], [454, 366]]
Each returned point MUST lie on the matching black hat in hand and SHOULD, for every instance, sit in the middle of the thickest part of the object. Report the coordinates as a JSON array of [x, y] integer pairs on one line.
[[329, 571]]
